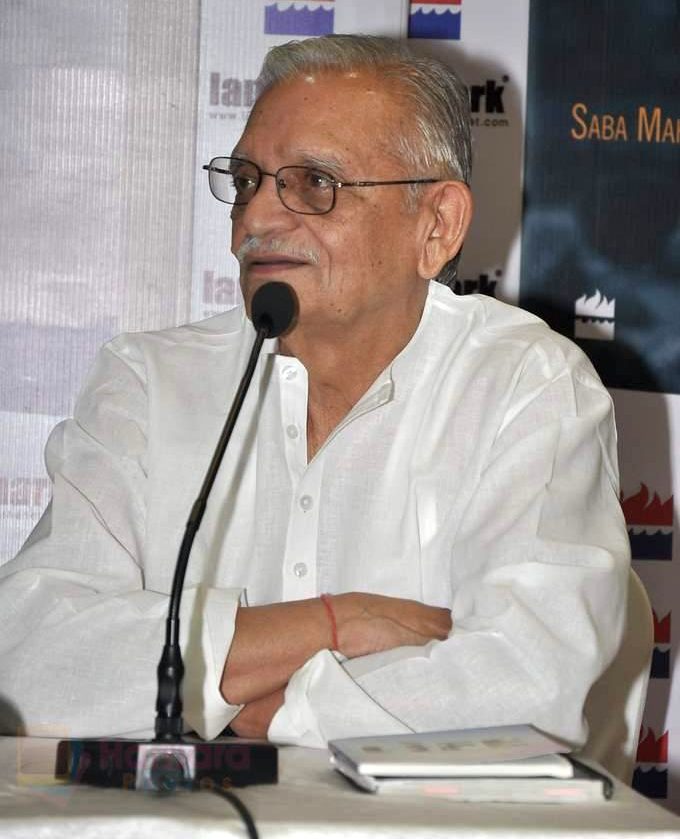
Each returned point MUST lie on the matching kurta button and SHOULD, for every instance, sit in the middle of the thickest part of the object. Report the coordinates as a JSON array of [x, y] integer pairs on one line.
[[292, 432], [299, 569], [306, 502]]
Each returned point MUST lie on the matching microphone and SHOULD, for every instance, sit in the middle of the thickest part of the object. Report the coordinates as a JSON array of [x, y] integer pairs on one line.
[[169, 761], [274, 308]]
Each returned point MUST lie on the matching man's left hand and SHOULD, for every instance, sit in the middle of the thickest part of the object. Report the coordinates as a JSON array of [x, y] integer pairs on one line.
[[255, 717]]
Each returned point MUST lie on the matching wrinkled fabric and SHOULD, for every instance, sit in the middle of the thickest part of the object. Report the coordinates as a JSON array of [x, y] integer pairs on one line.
[[478, 473]]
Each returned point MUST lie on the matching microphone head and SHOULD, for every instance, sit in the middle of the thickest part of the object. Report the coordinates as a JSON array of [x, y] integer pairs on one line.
[[274, 308]]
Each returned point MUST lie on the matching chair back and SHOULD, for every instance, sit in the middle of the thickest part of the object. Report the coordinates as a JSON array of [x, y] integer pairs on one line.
[[616, 701]]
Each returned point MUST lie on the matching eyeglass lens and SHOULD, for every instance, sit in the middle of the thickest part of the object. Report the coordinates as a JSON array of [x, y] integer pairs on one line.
[[300, 188]]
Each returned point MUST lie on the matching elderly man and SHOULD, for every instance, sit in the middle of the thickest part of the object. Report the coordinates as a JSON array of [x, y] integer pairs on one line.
[[416, 525]]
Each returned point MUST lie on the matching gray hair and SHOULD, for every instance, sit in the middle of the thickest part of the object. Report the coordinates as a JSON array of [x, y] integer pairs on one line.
[[440, 144]]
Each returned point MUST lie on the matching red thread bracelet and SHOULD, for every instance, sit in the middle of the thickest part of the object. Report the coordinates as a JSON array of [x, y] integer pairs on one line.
[[326, 600]]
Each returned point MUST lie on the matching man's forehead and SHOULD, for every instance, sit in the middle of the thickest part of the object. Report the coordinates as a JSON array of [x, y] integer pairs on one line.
[[343, 104], [328, 90]]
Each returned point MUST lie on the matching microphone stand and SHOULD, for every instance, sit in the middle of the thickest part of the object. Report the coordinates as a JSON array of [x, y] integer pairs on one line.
[[169, 723], [168, 761]]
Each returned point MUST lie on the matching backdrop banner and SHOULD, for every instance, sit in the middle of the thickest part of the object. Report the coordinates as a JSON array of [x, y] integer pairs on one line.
[[601, 263]]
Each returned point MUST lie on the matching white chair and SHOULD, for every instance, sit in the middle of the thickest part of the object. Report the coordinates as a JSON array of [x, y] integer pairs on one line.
[[616, 701]]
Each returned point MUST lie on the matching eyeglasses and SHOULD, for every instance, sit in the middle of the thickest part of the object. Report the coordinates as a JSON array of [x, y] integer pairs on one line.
[[302, 189]]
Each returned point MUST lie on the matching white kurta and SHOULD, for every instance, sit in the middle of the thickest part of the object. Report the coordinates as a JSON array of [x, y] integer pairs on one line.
[[478, 473]]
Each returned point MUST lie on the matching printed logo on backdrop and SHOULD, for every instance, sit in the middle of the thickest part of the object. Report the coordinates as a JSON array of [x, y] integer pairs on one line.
[[661, 655], [652, 781], [218, 293], [482, 284], [438, 19], [302, 17], [594, 317], [487, 104], [230, 98], [643, 124], [23, 497], [650, 525]]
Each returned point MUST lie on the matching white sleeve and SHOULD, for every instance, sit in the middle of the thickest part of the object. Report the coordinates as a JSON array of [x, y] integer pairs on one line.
[[81, 634], [538, 611]]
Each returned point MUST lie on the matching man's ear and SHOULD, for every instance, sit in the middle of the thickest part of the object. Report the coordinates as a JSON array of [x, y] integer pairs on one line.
[[447, 211]]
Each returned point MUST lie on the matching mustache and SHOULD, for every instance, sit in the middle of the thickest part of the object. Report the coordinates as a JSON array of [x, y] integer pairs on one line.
[[277, 246]]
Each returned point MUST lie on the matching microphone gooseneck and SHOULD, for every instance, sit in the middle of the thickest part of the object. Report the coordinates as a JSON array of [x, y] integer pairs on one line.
[[274, 309]]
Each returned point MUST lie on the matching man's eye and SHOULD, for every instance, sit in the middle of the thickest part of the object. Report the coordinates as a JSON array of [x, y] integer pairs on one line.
[[318, 181], [242, 183]]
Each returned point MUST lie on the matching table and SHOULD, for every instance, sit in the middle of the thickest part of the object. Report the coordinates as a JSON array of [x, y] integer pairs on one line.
[[310, 800]]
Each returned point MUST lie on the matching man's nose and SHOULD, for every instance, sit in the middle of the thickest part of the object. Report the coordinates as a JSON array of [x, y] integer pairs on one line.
[[265, 212]]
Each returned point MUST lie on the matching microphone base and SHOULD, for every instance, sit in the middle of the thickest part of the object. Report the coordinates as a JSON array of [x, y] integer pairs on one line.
[[164, 767]]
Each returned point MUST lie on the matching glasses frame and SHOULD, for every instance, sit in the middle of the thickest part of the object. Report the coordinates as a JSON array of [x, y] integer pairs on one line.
[[335, 183]]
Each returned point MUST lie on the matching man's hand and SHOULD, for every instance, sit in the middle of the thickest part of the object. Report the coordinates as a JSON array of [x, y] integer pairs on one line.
[[254, 719], [271, 642], [372, 623]]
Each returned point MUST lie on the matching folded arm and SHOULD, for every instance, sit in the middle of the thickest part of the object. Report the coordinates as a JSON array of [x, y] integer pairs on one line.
[[539, 573], [271, 642]]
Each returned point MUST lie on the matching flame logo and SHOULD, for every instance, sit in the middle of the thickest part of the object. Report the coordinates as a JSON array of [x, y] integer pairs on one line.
[[640, 511], [596, 306], [650, 749], [662, 629]]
